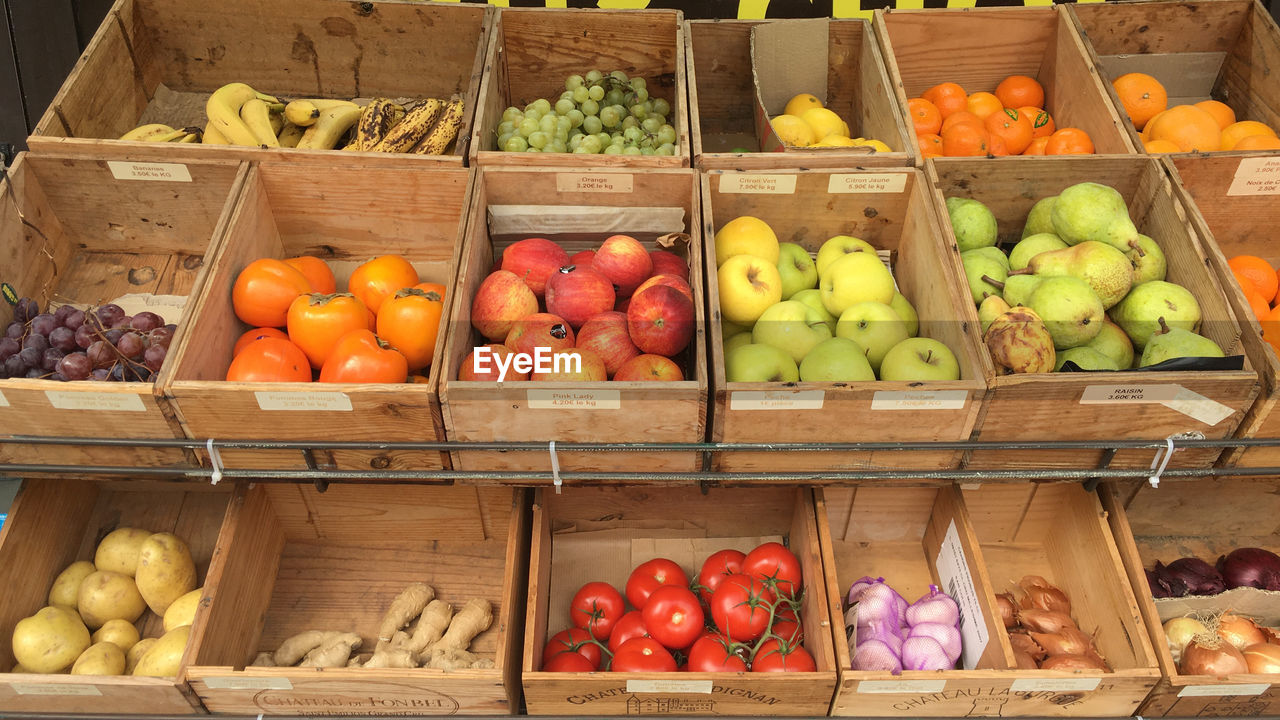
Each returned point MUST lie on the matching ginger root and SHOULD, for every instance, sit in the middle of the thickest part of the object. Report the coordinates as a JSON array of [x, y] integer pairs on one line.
[[407, 606], [431, 626], [264, 659], [333, 652], [295, 648], [474, 618], [448, 658], [394, 657]]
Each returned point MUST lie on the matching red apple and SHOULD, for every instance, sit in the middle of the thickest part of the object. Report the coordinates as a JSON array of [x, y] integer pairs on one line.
[[534, 259], [649, 367], [606, 335], [489, 365], [622, 304], [561, 366], [660, 320], [582, 259], [539, 330], [502, 299], [624, 261], [667, 262], [674, 281], [575, 294]]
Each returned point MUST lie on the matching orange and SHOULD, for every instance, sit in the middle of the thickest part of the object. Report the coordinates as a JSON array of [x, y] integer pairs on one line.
[[965, 140], [1253, 270], [1017, 91], [983, 104], [930, 145], [1256, 302], [996, 146], [1041, 121], [1271, 328], [1236, 132], [1069, 141], [1037, 146], [1258, 142], [1188, 127], [925, 116], [958, 117], [1142, 97], [1159, 146], [1220, 111], [948, 97], [1012, 127]]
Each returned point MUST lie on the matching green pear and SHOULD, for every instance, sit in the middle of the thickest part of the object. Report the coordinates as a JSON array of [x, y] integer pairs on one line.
[[1039, 220], [991, 308], [1087, 358], [1105, 268], [875, 327], [907, 312], [1091, 211], [1017, 288], [1033, 245], [974, 225], [1177, 343], [813, 298], [1070, 309], [994, 253], [760, 363], [792, 327], [1148, 261], [1114, 343], [796, 268], [836, 359], [985, 275], [1141, 311]]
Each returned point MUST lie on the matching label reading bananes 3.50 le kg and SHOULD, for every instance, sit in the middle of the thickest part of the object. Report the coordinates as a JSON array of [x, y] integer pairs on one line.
[[160, 172], [593, 182]]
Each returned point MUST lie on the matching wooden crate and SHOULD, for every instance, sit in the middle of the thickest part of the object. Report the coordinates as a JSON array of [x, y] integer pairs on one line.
[[1233, 213], [1063, 406], [345, 216], [890, 210], [722, 99], [55, 522], [1175, 521], [979, 47], [157, 61], [531, 51], [295, 559], [608, 411], [1199, 50], [88, 232], [588, 534]]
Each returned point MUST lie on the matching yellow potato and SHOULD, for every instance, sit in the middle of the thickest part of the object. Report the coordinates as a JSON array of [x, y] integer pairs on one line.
[[136, 652], [49, 641], [66, 587], [19, 668], [119, 632], [183, 610], [107, 596], [163, 659], [166, 571], [118, 551], [104, 658]]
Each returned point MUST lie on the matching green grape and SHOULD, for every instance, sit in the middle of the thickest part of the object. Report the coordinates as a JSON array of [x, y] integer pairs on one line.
[[532, 149], [666, 134], [592, 124], [594, 76], [575, 117], [604, 138], [642, 95], [557, 146], [547, 123], [539, 140], [564, 105], [581, 151], [573, 82], [506, 127], [633, 150], [610, 116], [661, 118], [515, 144], [527, 127], [647, 142], [532, 114], [613, 150], [633, 134], [561, 137], [502, 139], [590, 107], [618, 75], [563, 124], [576, 131], [630, 122], [651, 125], [665, 149], [638, 112], [614, 97], [581, 94], [661, 107], [512, 114], [617, 137], [543, 105], [648, 107], [647, 151], [575, 141], [591, 143], [638, 83], [597, 93]]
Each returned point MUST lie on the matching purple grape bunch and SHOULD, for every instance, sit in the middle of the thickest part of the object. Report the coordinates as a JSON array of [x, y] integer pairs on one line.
[[100, 345]]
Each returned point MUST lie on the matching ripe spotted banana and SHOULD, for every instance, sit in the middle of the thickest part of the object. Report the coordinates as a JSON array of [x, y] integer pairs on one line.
[[223, 109], [256, 114], [415, 125], [375, 122], [290, 135], [190, 135], [147, 133], [276, 118], [305, 113], [330, 127], [212, 136], [444, 131]]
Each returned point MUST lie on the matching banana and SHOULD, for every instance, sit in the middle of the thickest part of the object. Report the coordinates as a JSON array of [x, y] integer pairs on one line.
[[223, 109], [444, 131], [330, 127], [257, 116], [412, 128], [192, 135], [276, 118], [304, 113], [290, 135], [147, 133], [212, 136], [174, 136], [375, 122]]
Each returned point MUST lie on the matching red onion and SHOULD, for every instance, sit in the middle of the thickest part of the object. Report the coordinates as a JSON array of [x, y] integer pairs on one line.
[[1199, 576], [1158, 589], [1004, 603], [1045, 621], [876, 656], [924, 653], [934, 606], [947, 636], [1250, 567], [1022, 643], [1074, 662]]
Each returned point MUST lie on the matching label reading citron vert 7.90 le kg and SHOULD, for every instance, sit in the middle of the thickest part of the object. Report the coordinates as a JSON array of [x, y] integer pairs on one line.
[[741, 184]]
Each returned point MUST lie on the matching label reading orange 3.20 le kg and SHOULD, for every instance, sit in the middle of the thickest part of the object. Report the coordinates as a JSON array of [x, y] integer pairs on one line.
[[593, 182]]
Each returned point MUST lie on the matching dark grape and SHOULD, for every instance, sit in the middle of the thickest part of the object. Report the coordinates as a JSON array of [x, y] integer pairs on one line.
[[136, 372], [154, 356], [60, 315], [124, 322], [25, 310], [160, 336], [85, 336], [113, 335], [15, 330], [4, 374], [8, 346], [39, 342], [117, 372], [74, 319], [49, 360], [58, 376], [100, 374], [31, 357], [75, 366], [130, 345], [172, 328], [109, 313], [35, 373], [101, 354], [15, 366], [63, 338], [147, 320], [43, 324]]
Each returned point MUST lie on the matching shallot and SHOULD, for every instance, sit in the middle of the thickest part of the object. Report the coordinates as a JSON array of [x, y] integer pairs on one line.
[[1045, 597], [1004, 603], [1022, 643], [1045, 621], [1067, 641], [1074, 662]]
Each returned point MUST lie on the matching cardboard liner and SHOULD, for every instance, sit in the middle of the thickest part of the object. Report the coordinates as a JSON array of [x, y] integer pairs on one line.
[[563, 219]]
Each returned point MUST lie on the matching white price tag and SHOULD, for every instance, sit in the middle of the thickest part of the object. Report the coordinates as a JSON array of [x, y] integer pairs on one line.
[[1055, 684], [845, 183], [920, 400], [739, 184], [303, 401], [1175, 397], [114, 402], [575, 399], [249, 682], [777, 400], [593, 182], [162, 172], [54, 689], [3, 401], [701, 687], [1256, 176], [953, 571], [1223, 690], [886, 687], [1198, 407]]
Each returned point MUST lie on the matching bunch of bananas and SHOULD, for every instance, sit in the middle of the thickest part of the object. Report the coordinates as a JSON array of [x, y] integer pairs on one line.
[[240, 115]]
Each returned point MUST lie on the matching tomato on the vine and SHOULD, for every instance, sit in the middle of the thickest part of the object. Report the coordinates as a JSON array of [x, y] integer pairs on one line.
[[568, 662], [379, 278], [773, 656], [360, 357], [651, 575], [574, 640], [740, 607], [776, 566], [713, 653], [673, 616], [629, 626], [715, 569], [265, 289], [642, 655], [788, 630], [316, 322], [270, 360], [317, 273], [257, 334], [409, 319], [596, 607]]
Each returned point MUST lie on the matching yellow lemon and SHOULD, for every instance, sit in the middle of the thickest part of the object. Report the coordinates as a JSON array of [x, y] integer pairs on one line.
[[793, 131], [835, 141], [747, 235], [1236, 132], [879, 146], [824, 122], [798, 104]]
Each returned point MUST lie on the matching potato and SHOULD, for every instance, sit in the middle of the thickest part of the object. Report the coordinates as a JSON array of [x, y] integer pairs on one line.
[[166, 571], [118, 551], [136, 652], [108, 596], [163, 659], [120, 632], [183, 610], [66, 587], [49, 641], [104, 658]]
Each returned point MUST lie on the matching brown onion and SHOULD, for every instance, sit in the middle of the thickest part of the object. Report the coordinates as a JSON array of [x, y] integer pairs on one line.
[[1046, 598], [1272, 634], [1263, 658], [1067, 641], [1074, 662], [1024, 661], [1045, 621], [1004, 603], [1022, 643], [1211, 655], [1030, 581], [1179, 631], [1240, 631]]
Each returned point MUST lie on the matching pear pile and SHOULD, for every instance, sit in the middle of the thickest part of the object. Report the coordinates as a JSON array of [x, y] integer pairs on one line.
[[1082, 285]]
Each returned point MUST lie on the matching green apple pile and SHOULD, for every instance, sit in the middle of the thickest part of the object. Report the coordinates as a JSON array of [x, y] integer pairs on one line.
[[1081, 285], [787, 316]]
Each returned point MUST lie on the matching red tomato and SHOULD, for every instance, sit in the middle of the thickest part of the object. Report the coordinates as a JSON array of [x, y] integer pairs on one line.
[[630, 626], [788, 630], [270, 360], [256, 334], [265, 289], [773, 656], [642, 655], [740, 607], [410, 320], [716, 568], [777, 566], [673, 616], [574, 640], [713, 653], [649, 576], [360, 357], [381, 277], [317, 272], [568, 662], [316, 323], [596, 607]]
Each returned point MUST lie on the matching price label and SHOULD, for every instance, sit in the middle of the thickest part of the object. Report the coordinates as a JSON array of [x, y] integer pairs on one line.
[[575, 399], [112, 402], [248, 683], [3, 401], [593, 182], [160, 172], [701, 687], [1110, 394], [953, 571], [1224, 690], [1256, 176], [886, 687], [1055, 684], [777, 400], [54, 689], [848, 183], [740, 184], [920, 400], [304, 401]]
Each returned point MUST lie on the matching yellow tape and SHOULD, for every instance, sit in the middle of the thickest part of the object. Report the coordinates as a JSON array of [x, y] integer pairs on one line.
[[850, 9]]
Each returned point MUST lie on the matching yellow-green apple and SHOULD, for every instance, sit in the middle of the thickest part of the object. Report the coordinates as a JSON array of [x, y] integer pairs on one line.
[[728, 329], [836, 359], [502, 299], [582, 258], [919, 359], [748, 285], [490, 363], [907, 312], [837, 247], [649, 367], [737, 341], [539, 330], [875, 327], [813, 298], [674, 281], [607, 336], [623, 260], [792, 327], [576, 293], [796, 268], [669, 263], [660, 320], [760, 363], [746, 235], [854, 278], [534, 259], [568, 366]]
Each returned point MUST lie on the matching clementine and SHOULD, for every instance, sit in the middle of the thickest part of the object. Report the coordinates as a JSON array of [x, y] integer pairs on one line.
[[930, 145], [983, 104], [948, 97], [965, 140], [1253, 270], [1012, 127], [1041, 121], [1069, 141], [1142, 97], [1037, 146], [1018, 91], [925, 116]]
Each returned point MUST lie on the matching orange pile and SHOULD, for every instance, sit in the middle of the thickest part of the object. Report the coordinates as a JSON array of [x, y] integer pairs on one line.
[[1259, 282], [1011, 121], [1206, 126]]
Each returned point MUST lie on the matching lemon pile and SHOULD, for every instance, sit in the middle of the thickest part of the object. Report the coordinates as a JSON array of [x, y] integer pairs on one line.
[[806, 123]]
